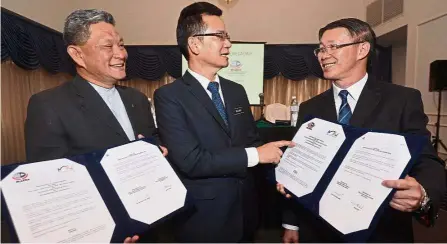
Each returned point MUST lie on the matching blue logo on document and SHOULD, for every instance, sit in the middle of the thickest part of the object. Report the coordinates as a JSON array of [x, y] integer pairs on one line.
[[20, 177]]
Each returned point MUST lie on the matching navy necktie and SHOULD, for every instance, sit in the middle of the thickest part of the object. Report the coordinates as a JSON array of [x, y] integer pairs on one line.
[[213, 87], [344, 114]]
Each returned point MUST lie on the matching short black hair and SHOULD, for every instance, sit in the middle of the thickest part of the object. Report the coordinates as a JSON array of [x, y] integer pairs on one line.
[[191, 23], [358, 29]]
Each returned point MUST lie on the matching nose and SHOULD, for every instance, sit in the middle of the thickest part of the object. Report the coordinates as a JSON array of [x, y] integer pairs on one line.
[[227, 43], [120, 52], [323, 55]]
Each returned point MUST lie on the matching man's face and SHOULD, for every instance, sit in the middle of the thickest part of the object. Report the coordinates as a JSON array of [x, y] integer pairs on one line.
[[338, 63], [213, 50], [104, 54]]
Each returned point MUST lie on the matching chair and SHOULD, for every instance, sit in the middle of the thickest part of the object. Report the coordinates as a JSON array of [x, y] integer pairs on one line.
[[277, 111]]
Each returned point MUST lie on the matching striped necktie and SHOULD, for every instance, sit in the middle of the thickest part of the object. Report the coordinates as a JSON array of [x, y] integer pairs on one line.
[[344, 114]]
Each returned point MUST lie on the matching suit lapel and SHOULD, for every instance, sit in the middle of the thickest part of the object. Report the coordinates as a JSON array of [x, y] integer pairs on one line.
[[327, 109], [94, 106], [131, 107], [198, 92], [229, 103], [368, 100]]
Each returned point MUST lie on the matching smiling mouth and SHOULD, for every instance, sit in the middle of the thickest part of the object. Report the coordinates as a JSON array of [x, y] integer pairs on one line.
[[327, 65], [117, 65]]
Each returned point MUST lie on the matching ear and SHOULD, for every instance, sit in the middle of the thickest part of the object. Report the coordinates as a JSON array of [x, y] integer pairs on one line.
[[363, 50], [77, 55], [194, 45]]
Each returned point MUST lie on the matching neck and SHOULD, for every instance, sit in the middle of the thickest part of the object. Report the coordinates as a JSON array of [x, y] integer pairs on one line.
[[91, 78], [351, 79], [201, 69]]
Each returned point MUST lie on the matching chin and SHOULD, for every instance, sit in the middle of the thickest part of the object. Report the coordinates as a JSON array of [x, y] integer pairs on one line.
[[330, 75], [118, 75]]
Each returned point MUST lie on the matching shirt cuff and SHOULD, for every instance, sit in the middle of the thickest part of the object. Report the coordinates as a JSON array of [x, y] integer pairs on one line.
[[252, 156], [290, 227]]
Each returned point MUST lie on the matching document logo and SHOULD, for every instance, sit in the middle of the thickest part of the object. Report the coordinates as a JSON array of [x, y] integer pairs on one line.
[[332, 133], [65, 168], [20, 177], [310, 125]]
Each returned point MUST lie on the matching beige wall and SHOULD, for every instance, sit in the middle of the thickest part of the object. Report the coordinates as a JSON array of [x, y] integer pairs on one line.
[[399, 56], [426, 41], [153, 22]]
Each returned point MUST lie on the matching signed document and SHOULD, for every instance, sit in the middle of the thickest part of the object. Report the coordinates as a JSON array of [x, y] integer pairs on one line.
[[301, 167], [355, 193], [144, 180], [56, 201]]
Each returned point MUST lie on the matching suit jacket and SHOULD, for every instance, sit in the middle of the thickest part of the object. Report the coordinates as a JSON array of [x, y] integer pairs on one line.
[[210, 157], [73, 119], [386, 107]]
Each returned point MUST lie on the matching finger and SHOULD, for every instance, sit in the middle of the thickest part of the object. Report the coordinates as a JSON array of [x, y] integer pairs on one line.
[[409, 204], [288, 196], [399, 206], [411, 194], [164, 150], [127, 240], [397, 184], [140, 136], [135, 238], [282, 143]]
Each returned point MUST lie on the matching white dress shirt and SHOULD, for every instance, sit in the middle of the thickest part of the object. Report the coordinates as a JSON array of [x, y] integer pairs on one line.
[[113, 100], [354, 93], [252, 153]]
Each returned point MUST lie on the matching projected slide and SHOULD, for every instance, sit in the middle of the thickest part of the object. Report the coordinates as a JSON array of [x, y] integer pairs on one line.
[[246, 67]]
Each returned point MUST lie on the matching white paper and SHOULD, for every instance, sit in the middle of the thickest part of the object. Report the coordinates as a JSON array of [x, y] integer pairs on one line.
[[302, 166], [56, 201], [356, 192], [144, 180]]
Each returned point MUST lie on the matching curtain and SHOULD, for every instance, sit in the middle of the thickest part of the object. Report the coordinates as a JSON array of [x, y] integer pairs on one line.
[[19, 84], [280, 89], [17, 87]]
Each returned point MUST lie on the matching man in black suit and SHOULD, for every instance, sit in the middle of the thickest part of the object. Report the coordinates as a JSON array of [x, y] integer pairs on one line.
[[358, 99], [90, 112], [206, 122]]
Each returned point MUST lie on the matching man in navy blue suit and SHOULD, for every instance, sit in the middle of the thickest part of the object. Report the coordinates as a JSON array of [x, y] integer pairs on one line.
[[206, 122]]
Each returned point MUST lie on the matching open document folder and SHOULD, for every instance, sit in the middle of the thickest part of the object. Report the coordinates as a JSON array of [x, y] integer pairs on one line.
[[96, 197], [336, 171]]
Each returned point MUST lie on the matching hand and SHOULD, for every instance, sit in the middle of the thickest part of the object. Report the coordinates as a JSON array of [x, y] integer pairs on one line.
[[132, 239], [271, 152], [290, 236], [282, 190], [408, 196], [164, 150]]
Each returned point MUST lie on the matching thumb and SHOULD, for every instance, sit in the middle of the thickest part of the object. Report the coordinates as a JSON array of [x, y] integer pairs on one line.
[[140, 136]]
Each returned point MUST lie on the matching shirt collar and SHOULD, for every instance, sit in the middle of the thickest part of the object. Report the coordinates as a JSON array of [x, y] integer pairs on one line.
[[202, 79], [103, 91], [354, 90]]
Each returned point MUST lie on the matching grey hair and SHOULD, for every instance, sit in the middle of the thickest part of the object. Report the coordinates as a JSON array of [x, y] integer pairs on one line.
[[77, 24]]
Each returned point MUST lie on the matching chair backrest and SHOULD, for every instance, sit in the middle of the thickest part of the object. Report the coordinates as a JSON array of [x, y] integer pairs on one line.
[[276, 111]]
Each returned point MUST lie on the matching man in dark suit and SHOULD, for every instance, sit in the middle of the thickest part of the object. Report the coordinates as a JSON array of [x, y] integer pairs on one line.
[[358, 99], [90, 112], [206, 122]]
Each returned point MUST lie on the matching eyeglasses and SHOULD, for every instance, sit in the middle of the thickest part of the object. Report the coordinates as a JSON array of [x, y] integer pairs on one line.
[[333, 47], [221, 35]]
